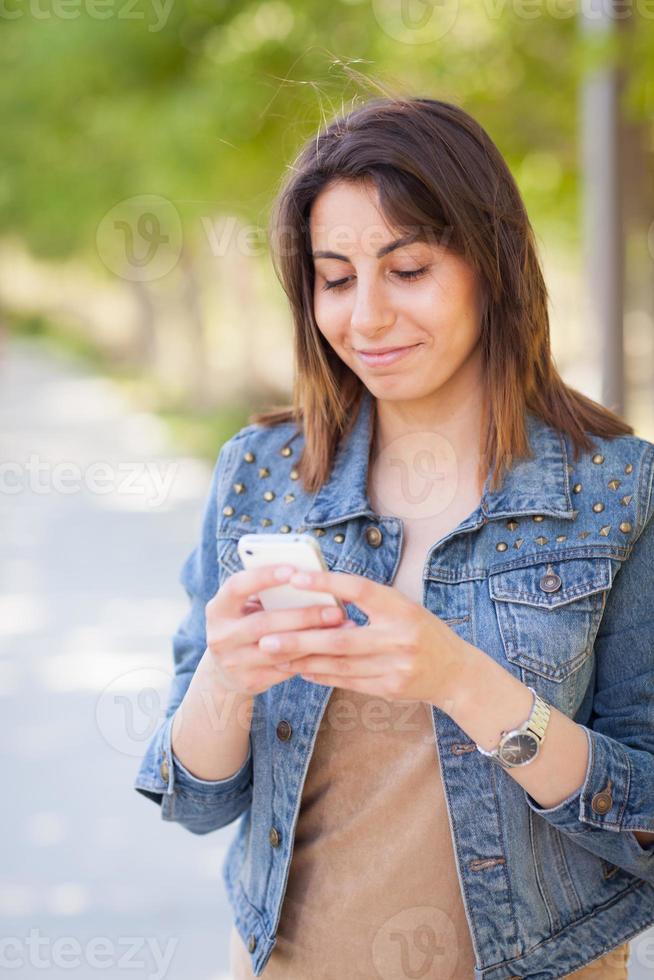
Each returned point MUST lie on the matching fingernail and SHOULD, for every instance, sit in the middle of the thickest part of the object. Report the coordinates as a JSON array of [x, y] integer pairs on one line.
[[300, 578], [283, 571], [269, 643]]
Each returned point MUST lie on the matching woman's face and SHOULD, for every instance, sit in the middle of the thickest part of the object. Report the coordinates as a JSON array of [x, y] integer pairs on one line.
[[417, 295]]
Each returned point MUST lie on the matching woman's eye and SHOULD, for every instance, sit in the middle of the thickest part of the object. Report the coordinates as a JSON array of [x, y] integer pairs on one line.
[[335, 284], [403, 274], [412, 273]]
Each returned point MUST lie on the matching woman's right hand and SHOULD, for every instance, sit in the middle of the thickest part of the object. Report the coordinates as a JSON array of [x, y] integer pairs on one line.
[[236, 621]]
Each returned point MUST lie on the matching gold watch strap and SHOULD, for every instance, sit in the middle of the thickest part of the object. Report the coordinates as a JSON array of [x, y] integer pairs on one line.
[[540, 715]]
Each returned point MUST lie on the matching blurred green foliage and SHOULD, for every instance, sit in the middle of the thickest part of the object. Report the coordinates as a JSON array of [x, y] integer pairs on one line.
[[58, 338], [205, 102]]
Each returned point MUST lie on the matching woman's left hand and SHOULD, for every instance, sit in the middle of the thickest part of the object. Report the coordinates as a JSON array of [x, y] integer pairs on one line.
[[404, 652]]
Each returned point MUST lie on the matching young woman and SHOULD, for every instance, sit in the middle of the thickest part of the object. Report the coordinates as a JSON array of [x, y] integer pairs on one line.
[[477, 798]]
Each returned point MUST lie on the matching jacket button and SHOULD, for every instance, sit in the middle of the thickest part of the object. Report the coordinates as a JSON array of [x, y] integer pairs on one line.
[[550, 582], [602, 802], [284, 731], [164, 770], [274, 837], [373, 536], [252, 944]]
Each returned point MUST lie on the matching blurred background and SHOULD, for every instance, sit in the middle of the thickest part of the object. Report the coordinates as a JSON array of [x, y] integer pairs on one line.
[[141, 323]]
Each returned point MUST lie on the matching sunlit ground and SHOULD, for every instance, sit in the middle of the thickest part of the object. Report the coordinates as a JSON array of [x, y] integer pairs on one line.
[[89, 599]]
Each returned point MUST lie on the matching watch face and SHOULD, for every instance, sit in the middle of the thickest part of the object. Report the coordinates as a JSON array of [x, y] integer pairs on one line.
[[519, 749]]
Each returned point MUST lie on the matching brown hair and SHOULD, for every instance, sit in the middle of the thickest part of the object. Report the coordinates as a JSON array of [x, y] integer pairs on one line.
[[436, 168]]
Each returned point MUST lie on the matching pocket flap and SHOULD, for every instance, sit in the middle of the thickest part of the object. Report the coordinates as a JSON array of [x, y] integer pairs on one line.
[[550, 584]]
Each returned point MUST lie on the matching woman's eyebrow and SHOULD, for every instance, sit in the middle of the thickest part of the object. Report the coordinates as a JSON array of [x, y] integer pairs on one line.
[[384, 250]]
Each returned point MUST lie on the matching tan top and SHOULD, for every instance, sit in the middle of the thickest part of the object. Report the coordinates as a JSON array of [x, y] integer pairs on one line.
[[373, 889]]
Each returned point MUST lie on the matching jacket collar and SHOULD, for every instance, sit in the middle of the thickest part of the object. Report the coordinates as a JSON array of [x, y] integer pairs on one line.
[[532, 486]]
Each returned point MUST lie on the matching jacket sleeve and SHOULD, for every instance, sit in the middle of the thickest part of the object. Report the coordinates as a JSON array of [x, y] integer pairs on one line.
[[199, 805], [617, 794]]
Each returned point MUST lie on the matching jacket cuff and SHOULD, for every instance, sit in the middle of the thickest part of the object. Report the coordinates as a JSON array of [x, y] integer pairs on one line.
[[162, 775], [155, 778], [601, 800], [206, 788]]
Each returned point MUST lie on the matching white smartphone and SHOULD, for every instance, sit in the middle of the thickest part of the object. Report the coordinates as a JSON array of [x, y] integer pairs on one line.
[[299, 550]]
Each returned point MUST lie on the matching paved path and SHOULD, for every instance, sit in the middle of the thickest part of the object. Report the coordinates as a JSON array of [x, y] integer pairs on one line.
[[89, 598]]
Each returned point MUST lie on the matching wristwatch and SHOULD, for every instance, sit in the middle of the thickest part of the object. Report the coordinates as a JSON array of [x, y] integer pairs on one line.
[[520, 746]]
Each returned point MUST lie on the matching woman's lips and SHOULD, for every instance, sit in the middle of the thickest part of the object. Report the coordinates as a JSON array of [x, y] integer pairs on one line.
[[389, 358]]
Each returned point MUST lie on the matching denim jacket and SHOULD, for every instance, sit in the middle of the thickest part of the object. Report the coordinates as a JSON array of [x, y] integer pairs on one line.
[[545, 890]]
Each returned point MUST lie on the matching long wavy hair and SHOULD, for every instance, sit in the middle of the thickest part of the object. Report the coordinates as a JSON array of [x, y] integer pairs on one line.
[[435, 168]]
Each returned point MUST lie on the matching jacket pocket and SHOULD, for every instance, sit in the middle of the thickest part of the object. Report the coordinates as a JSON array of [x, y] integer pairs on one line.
[[549, 612]]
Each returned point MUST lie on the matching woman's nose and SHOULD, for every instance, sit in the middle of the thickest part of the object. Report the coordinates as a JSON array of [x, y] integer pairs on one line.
[[371, 311]]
